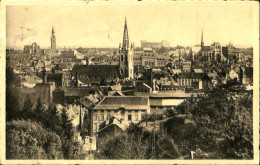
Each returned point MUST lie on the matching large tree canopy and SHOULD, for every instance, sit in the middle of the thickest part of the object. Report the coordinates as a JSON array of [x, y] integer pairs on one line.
[[220, 122], [30, 140]]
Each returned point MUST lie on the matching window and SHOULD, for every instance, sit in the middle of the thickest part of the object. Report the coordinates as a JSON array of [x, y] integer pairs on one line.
[[95, 127], [102, 117], [136, 116], [108, 115], [95, 117], [129, 117], [123, 116]]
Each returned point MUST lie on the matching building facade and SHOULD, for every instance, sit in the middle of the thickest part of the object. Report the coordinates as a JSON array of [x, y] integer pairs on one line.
[[31, 49], [126, 108]]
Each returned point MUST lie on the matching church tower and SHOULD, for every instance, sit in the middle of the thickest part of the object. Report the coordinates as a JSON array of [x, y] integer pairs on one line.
[[53, 40], [126, 56]]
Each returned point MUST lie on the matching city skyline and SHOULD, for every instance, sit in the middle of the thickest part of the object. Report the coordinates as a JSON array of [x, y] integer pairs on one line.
[[30, 24]]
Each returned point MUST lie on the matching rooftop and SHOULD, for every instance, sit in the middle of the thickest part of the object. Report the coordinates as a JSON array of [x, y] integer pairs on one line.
[[126, 102]]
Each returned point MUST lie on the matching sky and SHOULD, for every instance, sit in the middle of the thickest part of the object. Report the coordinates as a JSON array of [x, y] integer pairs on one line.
[[101, 24]]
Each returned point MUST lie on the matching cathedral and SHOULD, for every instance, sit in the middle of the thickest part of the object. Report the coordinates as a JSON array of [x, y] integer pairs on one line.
[[212, 53], [97, 74]]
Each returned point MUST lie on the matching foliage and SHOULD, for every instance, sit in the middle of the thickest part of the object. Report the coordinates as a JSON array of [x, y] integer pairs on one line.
[[26, 139], [219, 122], [124, 146], [49, 121], [13, 101], [136, 143]]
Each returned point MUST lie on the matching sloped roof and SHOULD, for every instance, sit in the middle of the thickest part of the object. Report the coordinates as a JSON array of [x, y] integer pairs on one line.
[[89, 101], [126, 102], [31, 79], [174, 71], [192, 75], [198, 70], [115, 93], [147, 49], [117, 87], [112, 121], [96, 70], [206, 48]]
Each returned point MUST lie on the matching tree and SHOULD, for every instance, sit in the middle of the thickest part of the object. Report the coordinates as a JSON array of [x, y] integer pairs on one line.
[[13, 101], [124, 146], [66, 125], [27, 111], [219, 122], [52, 119], [72, 149], [136, 143], [39, 110], [26, 139]]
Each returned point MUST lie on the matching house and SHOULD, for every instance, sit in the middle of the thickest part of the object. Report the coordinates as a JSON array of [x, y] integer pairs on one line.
[[110, 128], [58, 78], [95, 74], [30, 81], [143, 87], [197, 80], [126, 108]]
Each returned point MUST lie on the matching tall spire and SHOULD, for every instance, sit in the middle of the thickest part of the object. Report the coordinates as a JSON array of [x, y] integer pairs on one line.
[[53, 32], [202, 43], [125, 37]]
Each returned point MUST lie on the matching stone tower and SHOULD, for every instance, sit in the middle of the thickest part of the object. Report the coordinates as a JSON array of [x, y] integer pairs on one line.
[[53, 40], [126, 56]]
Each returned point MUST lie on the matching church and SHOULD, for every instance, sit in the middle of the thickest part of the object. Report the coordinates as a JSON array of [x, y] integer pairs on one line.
[[96, 74], [212, 53]]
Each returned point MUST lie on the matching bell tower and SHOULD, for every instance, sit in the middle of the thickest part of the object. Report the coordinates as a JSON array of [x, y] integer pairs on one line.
[[53, 40], [126, 56]]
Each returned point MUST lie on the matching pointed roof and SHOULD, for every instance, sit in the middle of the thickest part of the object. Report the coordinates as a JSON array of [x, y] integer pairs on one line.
[[125, 37], [53, 30], [202, 37]]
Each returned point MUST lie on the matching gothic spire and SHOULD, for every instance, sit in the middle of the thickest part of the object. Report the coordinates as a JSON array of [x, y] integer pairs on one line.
[[202, 43], [125, 37], [53, 32]]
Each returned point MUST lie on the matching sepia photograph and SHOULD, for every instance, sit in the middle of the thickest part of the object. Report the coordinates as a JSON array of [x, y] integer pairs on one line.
[[131, 81]]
